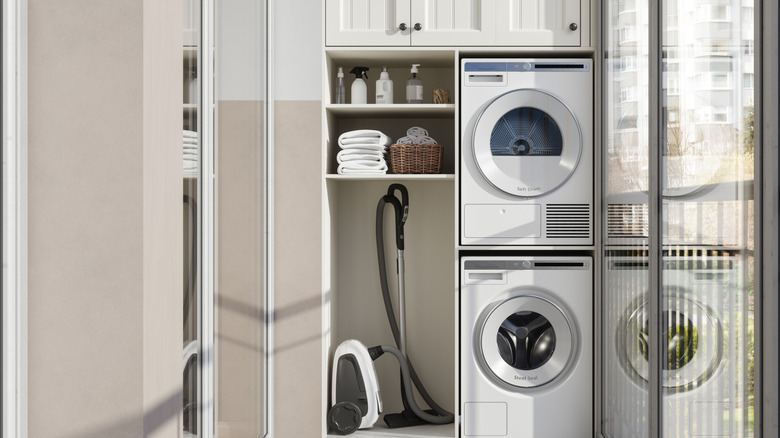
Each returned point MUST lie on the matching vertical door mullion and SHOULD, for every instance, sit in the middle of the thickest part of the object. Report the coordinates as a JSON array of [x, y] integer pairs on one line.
[[655, 244]]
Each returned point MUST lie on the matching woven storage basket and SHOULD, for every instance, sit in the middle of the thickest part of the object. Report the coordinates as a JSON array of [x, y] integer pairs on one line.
[[416, 158]]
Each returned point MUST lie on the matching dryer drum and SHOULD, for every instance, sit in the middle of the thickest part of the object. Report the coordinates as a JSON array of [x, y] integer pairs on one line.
[[526, 131]]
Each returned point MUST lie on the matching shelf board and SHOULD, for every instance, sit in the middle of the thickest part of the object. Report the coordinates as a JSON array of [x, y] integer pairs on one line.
[[399, 110], [393, 56], [392, 176], [425, 431]]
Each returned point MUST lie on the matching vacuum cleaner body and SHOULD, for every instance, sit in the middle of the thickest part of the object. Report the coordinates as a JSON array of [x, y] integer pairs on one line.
[[354, 380]]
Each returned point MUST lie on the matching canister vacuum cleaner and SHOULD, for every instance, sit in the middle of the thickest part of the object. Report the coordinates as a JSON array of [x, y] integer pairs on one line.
[[355, 387]]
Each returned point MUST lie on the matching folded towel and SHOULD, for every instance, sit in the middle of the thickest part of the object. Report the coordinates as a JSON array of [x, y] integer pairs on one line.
[[366, 146], [385, 140], [364, 164], [359, 154], [368, 136], [347, 170], [361, 157], [187, 133]]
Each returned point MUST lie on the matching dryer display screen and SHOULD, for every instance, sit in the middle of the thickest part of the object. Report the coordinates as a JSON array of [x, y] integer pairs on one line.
[[526, 131]]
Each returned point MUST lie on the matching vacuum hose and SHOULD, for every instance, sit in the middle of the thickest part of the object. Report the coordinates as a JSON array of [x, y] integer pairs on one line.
[[407, 370]]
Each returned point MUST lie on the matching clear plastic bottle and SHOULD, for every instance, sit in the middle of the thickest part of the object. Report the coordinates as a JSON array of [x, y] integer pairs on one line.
[[340, 98], [414, 87]]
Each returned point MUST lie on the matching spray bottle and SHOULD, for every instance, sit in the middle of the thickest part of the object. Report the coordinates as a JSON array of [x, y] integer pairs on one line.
[[384, 87], [414, 87], [359, 89], [340, 87]]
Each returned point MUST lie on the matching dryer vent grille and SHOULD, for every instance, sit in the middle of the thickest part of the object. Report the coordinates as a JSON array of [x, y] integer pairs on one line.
[[627, 220], [568, 221]]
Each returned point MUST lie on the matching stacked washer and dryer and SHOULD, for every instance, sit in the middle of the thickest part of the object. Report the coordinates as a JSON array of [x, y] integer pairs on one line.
[[526, 182]]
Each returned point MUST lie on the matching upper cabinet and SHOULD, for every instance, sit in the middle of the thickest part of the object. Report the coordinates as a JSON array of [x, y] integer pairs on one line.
[[541, 23], [410, 22]]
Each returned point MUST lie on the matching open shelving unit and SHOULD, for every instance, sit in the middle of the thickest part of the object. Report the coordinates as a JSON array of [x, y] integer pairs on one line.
[[351, 275]]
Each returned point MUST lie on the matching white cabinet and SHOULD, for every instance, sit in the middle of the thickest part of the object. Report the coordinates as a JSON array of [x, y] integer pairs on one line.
[[409, 22], [540, 23], [537, 23]]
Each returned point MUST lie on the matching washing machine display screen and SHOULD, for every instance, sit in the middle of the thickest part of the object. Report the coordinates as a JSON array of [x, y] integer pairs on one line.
[[526, 131], [526, 340]]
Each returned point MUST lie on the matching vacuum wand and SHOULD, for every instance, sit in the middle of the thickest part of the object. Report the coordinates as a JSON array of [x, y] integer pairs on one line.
[[401, 302]]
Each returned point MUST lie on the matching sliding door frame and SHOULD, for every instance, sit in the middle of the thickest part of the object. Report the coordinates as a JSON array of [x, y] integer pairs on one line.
[[14, 212]]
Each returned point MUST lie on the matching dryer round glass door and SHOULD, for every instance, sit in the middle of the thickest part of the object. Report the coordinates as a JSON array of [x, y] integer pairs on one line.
[[527, 143], [693, 342], [527, 341]]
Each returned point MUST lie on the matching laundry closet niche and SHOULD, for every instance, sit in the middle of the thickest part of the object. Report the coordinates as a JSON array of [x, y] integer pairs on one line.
[[354, 303]]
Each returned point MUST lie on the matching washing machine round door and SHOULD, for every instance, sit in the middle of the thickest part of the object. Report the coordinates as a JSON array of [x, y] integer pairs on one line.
[[527, 143], [693, 340], [527, 341]]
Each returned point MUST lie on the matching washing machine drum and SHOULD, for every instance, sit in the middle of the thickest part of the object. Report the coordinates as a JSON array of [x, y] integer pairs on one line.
[[526, 143], [526, 341], [693, 341]]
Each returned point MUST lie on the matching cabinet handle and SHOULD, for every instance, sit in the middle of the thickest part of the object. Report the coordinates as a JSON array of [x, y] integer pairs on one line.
[[402, 26], [573, 26], [417, 26]]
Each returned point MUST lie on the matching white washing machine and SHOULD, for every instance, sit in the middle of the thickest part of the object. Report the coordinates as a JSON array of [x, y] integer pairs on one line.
[[526, 161], [703, 374], [526, 365]]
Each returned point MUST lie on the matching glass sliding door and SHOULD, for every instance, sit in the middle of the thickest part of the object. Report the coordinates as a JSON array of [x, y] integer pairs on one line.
[[240, 217], [678, 109], [225, 219]]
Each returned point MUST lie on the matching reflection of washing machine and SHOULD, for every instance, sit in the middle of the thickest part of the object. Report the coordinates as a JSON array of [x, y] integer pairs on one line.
[[703, 370], [526, 152], [526, 346]]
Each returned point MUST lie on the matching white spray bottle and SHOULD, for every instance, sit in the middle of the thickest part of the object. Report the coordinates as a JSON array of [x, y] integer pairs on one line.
[[384, 87], [359, 88]]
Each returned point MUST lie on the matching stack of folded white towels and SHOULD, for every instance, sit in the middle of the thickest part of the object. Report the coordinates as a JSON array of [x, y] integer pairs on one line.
[[362, 151], [190, 152]]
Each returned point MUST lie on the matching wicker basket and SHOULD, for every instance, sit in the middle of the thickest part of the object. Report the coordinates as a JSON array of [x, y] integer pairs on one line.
[[415, 158]]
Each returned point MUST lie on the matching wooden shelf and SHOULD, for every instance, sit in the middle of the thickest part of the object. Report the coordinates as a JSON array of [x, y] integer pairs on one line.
[[399, 110]]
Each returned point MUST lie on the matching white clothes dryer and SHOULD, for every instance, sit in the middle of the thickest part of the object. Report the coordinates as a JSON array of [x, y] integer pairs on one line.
[[703, 373], [526, 160], [526, 365]]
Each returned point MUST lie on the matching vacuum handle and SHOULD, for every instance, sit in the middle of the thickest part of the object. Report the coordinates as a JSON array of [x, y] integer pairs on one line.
[[400, 218], [404, 198]]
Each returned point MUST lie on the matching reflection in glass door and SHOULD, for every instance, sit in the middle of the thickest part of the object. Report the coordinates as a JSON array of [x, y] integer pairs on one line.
[[225, 219], [698, 318]]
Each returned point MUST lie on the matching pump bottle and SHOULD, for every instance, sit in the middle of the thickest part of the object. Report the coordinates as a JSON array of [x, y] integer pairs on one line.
[[384, 87], [340, 87], [359, 88], [414, 87]]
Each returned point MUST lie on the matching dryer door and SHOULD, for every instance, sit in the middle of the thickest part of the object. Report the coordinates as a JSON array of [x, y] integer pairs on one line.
[[527, 143], [527, 341]]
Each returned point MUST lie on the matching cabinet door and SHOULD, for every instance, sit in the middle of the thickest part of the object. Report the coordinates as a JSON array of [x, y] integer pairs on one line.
[[367, 22], [453, 22], [538, 22]]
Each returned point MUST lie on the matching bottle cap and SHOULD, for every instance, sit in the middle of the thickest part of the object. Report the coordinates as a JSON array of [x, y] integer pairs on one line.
[[340, 74], [414, 68]]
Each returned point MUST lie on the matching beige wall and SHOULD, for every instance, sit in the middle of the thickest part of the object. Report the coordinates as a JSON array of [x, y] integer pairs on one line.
[[104, 218], [298, 407], [240, 259]]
